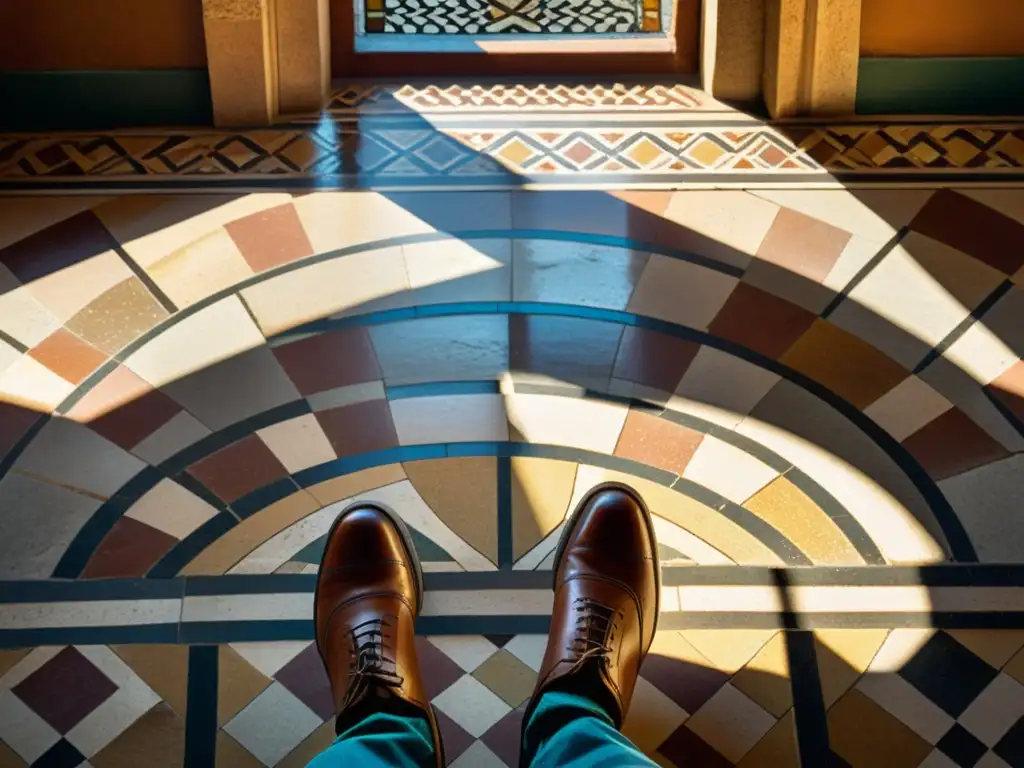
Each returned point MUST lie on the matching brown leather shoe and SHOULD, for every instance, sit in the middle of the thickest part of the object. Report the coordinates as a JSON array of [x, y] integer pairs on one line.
[[369, 591], [607, 588]]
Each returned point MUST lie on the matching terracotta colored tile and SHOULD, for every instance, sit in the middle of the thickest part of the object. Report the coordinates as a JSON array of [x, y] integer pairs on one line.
[[118, 316], [65, 689], [238, 683], [57, 247], [156, 739], [541, 491], [654, 359], [803, 245], [760, 321], [866, 736], [973, 228], [1008, 388], [329, 360], [952, 444], [463, 493], [238, 469], [851, 368], [359, 428], [307, 679], [124, 408], [569, 349], [657, 442], [15, 421], [270, 237], [68, 356], [130, 549]]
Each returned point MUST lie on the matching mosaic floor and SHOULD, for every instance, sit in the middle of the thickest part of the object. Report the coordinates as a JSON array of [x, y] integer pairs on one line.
[[820, 393]]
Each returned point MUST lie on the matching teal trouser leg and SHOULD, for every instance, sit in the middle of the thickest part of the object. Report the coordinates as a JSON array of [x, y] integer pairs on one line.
[[569, 731], [381, 740]]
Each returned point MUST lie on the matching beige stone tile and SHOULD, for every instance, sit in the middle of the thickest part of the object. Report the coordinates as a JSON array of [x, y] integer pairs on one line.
[[9, 658], [8, 356], [1015, 667], [21, 316], [541, 491], [728, 649], [866, 736], [212, 334], [735, 218], [459, 270], [843, 655], [872, 214], [995, 711], [338, 219], [508, 677], [164, 668], [727, 470], [906, 704], [571, 422], [731, 723], [326, 288], [118, 317], [721, 388], [310, 747], [451, 419], [652, 717], [691, 547], [778, 749], [201, 268], [65, 292], [575, 273], [168, 507], [463, 493], [981, 353], [24, 216], [680, 292], [231, 754], [156, 739], [298, 443], [996, 646], [238, 683], [10, 758], [765, 678], [345, 486], [788, 285], [792, 513], [234, 545], [907, 407], [854, 257]]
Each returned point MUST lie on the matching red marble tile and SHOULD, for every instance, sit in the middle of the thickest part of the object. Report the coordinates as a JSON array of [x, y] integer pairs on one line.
[[973, 228], [15, 421], [359, 428], [65, 689], [241, 467], [130, 549], [68, 356], [270, 237], [307, 679], [657, 442], [803, 245], [329, 360], [1008, 388], [654, 359], [952, 444], [62, 245], [124, 408], [760, 321]]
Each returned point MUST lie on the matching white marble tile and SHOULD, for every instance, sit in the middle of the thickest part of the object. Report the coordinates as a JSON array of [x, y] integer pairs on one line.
[[459, 270], [298, 443], [727, 470], [900, 646], [132, 700], [870, 213], [179, 432], [853, 258], [339, 219], [907, 704], [35, 659], [684, 542], [982, 353], [270, 657], [168, 507], [472, 705], [987, 502], [907, 407], [541, 551], [201, 268], [478, 756], [214, 333], [90, 613], [21, 316], [8, 356], [497, 602], [276, 551], [995, 711], [529, 649], [450, 419], [313, 291], [652, 717], [23, 730], [261, 607], [721, 388], [348, 395], [572, 422], [580, 274], [64, 292], [74, 456], [731, 723], [31, 384], [468, 651], [736, 219], [273, 724], [38, 523], [680, 292]]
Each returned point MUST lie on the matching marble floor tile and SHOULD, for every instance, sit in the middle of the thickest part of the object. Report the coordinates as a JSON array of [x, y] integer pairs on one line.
[[359, 428], [731, 723], [338, 219], [329, 360], [680, 292], [344, 486], [727, 470], [298, 443], [580, 274], [657, 442], [472, 705], [238, 469], [721, 388], [863, 734], [15, 422], [736, 219], [117, 316], [907, 407], [170, 508], [857, 254], [993, 344], [508, 677], [765, 679], [128, 550], [1008, 388], [451, 419], [566, 349], [951, 444], [123, 408], [760, 321], [176, 434], [270, 237], [273, 724], [652, 717], [574, 422], [21, 316], [30, 384], [68, 356], [200, 269], [541, 491], [803, 245], [450, 271], [985, 499], [468, 651], [157, 739], [22, 217], [653, 359]]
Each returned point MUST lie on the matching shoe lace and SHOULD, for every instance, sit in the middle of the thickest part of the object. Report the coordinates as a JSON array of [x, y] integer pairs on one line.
[[596, 624], [370, 662]]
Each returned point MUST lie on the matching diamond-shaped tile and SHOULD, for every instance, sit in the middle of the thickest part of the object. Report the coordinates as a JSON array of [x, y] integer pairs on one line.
[[453, 736], [307, 679], [961, 747], [472, 705], [508, 677], [503, 738], [437, 670], [1011, 746], [273, 724], [731, 723], [947, 673], [468, 651], [65, 690], [61, 755]]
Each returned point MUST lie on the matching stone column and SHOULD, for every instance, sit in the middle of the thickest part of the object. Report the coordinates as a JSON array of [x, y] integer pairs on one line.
[[303, 54], [732, 49], [241, 42]]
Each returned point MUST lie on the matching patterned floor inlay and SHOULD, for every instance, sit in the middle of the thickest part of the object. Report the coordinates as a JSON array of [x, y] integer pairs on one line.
[[817, 391]]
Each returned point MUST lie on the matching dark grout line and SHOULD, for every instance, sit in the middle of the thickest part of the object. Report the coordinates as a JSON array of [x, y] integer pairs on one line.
[[864, 271], [146, 280], [8, 339], [201, 708]]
